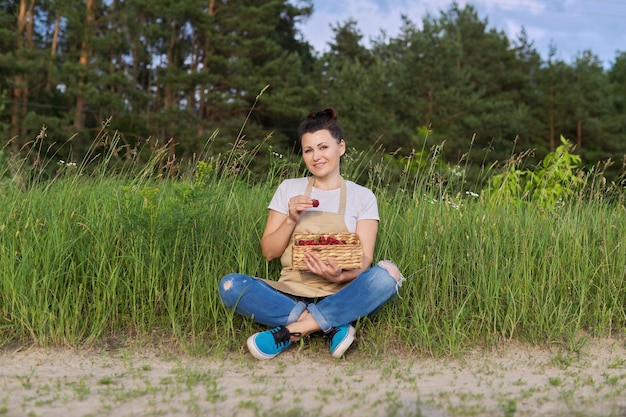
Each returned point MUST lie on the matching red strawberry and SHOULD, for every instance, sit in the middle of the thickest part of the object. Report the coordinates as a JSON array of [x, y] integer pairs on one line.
[[316, 203]]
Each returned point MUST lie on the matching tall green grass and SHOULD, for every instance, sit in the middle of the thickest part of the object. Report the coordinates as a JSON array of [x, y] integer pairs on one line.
[[111, 247], [478, 275]]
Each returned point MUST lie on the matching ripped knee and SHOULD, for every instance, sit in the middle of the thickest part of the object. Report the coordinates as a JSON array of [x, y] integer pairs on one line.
[[227, 290], [392, 269], [227, 282]]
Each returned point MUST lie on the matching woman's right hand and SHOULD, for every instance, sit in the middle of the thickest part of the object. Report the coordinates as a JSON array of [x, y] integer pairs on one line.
[[279, 227], [297, 205]]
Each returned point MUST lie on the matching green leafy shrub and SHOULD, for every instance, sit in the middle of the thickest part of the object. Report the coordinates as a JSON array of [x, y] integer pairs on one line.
[[557, 178]]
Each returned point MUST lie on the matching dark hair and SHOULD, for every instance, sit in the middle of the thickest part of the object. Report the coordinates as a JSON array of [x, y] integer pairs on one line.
[[325, 119]]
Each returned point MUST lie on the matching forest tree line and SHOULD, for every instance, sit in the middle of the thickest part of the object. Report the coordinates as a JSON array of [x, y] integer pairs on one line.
[[183, 71]]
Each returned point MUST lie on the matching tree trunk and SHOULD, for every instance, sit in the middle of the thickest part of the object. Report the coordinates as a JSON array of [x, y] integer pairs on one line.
[[579, 133], [55, 36], [19, 94], [85, 55], [30, 23], [202, 108], [172, 63], [53, 48]]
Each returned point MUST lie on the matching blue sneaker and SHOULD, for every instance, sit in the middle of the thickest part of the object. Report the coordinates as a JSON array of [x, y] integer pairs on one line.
[[340, 339], [266, 345]]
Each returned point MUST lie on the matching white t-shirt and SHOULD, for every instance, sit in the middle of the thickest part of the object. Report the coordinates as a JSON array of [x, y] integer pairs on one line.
[[361, 202]]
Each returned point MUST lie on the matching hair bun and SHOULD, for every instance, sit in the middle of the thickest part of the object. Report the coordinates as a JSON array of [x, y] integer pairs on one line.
[[328, 112], [322, 120]]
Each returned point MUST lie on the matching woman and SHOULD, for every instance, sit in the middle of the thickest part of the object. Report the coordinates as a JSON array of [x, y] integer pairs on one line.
[[324, 298]]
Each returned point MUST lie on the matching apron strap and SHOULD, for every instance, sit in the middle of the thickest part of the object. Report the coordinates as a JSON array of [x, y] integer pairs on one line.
[[309, 187], [342, 198], [342, 195]]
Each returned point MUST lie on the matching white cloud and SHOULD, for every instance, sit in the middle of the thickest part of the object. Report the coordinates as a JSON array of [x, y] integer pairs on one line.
[[372, 17], [535, 7]]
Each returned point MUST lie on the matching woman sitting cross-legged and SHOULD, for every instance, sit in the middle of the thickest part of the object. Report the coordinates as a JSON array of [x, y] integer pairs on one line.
[[326, 297]]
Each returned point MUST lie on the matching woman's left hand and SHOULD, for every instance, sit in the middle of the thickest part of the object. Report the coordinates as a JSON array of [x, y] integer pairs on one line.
[[327, 269]]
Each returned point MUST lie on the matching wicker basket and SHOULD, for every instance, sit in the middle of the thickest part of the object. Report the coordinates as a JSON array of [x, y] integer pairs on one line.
[[347, 255]]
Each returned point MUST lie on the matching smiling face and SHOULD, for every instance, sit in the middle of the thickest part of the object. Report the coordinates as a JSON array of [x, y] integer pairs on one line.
[[322, 153]]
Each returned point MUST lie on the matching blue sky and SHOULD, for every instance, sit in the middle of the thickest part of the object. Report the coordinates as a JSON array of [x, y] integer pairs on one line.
[[572, 26]]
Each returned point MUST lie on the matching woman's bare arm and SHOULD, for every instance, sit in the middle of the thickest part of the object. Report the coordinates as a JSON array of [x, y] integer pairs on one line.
[[367, 231], [276, 235]]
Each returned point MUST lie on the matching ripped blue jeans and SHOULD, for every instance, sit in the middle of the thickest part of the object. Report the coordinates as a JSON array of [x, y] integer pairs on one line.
[[255, 299]]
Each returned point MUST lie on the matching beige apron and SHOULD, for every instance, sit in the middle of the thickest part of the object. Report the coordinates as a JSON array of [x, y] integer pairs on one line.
[[305, 283]]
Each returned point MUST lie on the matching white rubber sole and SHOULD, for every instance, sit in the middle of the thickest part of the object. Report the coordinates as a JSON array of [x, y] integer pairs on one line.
[[254, 351], [345, 343]]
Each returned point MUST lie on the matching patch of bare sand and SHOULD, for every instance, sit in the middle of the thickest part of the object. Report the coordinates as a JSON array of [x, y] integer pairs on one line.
[[512, 381]]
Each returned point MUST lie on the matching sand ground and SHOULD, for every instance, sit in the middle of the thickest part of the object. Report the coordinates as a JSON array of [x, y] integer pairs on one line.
[[511, 381]]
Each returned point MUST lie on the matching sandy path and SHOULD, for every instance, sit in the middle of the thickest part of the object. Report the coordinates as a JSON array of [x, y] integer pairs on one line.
[[513, 381]]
